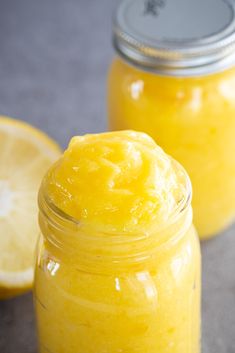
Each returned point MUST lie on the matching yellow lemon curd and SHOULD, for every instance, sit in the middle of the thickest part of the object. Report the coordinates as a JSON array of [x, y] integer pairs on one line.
[[118, 262], [193, 119]]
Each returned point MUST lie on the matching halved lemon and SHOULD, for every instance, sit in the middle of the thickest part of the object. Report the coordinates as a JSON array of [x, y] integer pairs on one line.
[[25, 155]]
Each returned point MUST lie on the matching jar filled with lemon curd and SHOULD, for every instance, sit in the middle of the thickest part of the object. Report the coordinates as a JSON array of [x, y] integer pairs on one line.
[[118, 260], [174, 78]]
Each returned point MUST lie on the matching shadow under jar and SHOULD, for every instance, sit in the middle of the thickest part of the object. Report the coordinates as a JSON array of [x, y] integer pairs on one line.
[[113, 294], [174, 78]]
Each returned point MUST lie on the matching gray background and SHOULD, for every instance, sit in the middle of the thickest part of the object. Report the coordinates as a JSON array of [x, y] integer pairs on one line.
[[54, 56]]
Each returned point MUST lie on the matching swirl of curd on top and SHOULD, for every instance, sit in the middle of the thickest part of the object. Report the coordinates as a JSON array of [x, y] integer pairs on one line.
[[116, 182]]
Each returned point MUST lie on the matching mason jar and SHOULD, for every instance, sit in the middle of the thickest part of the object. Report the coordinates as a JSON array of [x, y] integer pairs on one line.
[[174, 78], [102, 294]]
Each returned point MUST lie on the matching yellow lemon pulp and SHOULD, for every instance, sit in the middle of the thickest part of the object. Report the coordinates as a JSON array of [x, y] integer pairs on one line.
[[25, 155], [116, 182]]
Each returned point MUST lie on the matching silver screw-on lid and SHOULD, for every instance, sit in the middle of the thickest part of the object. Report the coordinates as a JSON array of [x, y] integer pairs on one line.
[[176, 37]]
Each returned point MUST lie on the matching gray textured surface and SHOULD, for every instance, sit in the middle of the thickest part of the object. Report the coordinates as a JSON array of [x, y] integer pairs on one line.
[[53, 63]]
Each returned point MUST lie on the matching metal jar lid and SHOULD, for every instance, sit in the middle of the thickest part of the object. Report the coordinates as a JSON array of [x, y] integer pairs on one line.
[[176, 37]]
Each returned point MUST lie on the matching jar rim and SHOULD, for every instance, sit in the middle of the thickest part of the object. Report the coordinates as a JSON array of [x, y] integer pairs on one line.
[[47, 205]]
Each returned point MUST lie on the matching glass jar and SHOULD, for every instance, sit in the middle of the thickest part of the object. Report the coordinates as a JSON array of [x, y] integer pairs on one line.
[[175, 79], [117, 294]]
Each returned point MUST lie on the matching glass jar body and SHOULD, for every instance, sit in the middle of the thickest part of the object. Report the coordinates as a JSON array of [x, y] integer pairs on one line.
[[192, 119], [147, 307]]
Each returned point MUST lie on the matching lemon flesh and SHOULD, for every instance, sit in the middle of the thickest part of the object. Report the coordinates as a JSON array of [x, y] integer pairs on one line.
[[25, 155]]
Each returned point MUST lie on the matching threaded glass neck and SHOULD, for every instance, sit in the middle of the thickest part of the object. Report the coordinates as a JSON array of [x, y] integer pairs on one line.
[[67, 237]]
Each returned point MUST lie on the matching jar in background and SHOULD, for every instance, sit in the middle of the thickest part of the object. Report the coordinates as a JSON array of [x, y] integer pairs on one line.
[[112, 294], [175, 79]]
